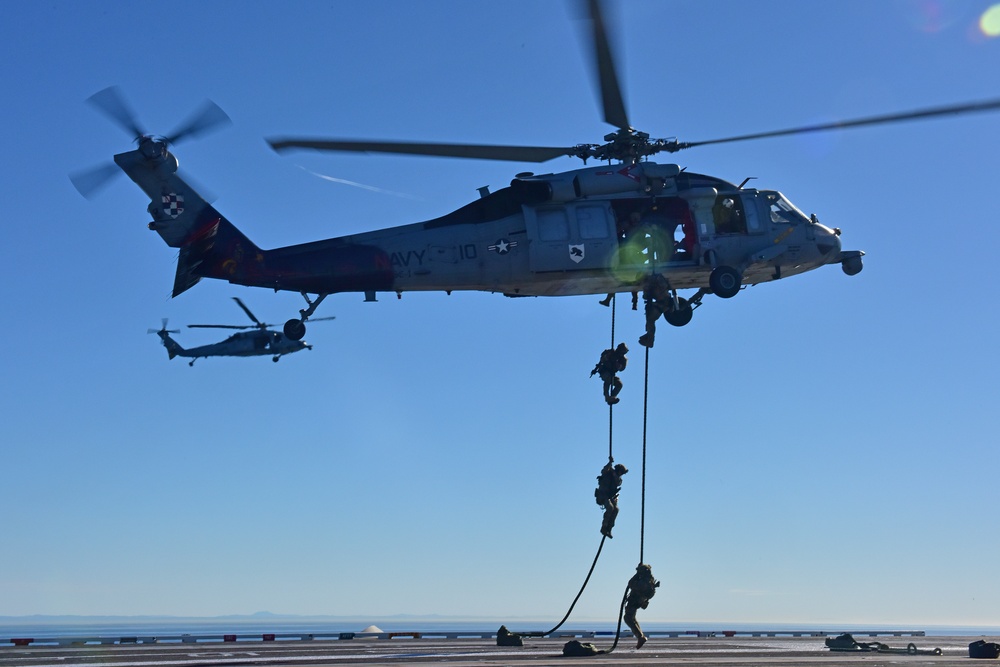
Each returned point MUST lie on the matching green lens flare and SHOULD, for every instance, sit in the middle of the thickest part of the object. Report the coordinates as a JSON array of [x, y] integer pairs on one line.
[[989, 22]]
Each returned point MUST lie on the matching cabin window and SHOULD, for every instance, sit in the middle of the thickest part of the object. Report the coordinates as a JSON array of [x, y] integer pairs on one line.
[[593, 221], [553, 225], [727, 214]]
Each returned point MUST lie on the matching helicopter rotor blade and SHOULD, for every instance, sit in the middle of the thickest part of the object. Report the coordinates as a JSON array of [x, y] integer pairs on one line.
[[89, 182], [209, 117], [320, 319], [253, 318], [163, 328], [475, 151], [221, 326], [955, 109], [607, 77], [112, 104]]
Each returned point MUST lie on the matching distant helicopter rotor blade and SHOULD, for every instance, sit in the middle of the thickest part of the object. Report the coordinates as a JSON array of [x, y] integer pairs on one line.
[[956, 109], [607, 77], [91, 181], [209, 117], [320, 319], [476, 151], [221, 326], [112, 104], [253, 318], [163, 328]]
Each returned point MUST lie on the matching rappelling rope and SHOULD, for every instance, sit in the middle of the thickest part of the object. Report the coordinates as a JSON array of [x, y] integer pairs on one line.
[[618, 632], [611, 408], [570, 610], [603, 537], [642, 511]]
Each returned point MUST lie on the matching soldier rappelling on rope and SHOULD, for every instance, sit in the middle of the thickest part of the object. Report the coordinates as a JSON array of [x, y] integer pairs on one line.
[[641, 587], [656, 294], [609, 484], [611, 362]]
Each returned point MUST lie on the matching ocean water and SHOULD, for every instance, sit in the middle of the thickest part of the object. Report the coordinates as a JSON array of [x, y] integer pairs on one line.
[[50, 627]]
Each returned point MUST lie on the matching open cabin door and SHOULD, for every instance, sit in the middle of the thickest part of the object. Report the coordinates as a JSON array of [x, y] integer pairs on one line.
[[571, 237]]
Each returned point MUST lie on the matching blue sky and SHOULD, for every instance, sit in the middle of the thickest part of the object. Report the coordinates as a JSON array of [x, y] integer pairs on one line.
[[820, 449]]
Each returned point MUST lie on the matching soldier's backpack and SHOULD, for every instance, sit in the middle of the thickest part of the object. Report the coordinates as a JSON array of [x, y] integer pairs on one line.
[[984, 649]]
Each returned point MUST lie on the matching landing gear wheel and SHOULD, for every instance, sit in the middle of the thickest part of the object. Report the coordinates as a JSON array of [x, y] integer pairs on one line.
[[294, 329], [275, 359], [725, 281], [680, 315]]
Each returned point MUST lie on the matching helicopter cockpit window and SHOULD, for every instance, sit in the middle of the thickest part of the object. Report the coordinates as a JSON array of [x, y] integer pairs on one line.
[[553, 225], [783, 211]]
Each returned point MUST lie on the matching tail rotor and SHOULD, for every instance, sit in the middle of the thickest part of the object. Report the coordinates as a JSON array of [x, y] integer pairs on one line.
[[163, 329], [111, 103]]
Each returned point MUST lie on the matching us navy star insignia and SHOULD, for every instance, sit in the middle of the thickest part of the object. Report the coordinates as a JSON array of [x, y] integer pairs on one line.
[[502, 246]]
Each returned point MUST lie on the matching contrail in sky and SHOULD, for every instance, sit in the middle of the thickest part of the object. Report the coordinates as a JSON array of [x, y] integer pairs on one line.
[[343, 181]]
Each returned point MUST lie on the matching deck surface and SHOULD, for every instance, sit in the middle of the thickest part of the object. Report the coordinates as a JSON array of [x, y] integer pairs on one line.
[[686, 651]]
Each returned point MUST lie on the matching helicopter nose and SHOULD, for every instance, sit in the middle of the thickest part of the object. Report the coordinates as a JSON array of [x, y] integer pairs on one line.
[[827, 241]]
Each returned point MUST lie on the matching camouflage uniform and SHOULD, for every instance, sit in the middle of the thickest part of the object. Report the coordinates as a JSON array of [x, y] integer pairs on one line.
[[612, 361], [656, 294], [609, 483], [641, 588]]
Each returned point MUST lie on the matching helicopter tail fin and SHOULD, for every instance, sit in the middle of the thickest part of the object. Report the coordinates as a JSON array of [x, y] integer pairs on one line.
[[210, 246], [217, 249], [173, 347]]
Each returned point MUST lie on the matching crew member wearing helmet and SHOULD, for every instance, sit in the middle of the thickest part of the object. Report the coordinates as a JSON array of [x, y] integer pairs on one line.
[[609, 484], [611, 361], [641, 588]]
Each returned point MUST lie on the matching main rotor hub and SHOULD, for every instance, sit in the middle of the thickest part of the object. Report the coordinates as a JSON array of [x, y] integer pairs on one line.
[[626, 145]]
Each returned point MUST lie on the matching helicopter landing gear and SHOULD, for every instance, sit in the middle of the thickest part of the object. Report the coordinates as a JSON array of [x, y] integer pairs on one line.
[[191, 363], [275, 358], [680, 314], [296, 329], [725, 281]]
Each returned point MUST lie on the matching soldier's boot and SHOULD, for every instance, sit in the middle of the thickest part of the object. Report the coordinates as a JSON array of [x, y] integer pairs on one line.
[[646, 340], [607, 300]]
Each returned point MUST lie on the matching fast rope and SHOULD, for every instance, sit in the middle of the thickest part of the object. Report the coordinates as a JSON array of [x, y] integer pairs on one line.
[[611, 408], [642, 510], [600, 547], [642, 520]]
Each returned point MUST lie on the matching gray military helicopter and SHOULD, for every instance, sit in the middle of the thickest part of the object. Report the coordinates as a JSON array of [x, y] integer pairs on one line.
[[597, 230], [258, 342]]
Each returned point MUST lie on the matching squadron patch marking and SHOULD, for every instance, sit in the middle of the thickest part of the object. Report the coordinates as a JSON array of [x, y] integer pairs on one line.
[[577, 252], [173, 204]]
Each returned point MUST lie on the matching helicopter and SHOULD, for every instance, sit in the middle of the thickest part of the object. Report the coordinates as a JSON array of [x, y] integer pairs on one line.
[[602, 229], [258, 342]]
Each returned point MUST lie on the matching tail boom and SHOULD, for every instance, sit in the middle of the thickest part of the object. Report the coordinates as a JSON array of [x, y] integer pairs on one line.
[[212, 247]]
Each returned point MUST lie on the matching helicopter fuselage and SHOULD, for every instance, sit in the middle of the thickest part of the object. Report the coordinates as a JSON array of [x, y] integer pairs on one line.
[[241, 344], [595, 230]]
